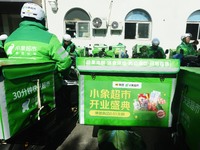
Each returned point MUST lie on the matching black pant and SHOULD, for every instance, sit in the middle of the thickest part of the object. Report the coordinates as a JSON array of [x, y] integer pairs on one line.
[[62, 105], [71, 94]]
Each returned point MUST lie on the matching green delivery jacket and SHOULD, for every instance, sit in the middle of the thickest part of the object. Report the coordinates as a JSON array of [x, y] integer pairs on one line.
[[110, 53], [1, 44], [152, 52], [187, 49], [68, 49], [32, 41]]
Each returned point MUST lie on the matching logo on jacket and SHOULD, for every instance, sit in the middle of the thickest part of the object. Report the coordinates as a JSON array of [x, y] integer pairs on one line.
[[10, 49]]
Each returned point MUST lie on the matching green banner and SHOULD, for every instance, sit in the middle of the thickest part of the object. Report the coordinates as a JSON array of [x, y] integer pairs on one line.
[[120, 65], [125, 101]]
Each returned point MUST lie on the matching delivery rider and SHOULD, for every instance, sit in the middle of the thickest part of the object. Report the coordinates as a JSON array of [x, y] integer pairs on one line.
[[33, 41], [69, 45], [155, 51], [186, 46]]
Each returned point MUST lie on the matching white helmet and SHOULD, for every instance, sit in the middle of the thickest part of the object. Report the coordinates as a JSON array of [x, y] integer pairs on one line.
[[67, 37], [32, 10], [3, 37], [186, 35], [155, 42]]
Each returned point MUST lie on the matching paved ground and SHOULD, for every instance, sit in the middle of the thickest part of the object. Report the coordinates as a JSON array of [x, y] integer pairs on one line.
[[156, 138], [81, 139]]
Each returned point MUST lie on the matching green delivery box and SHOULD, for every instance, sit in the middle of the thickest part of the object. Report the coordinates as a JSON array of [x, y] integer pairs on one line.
[[98, 47], [189, 113], [126, 92], [26, 93], [118, 49]]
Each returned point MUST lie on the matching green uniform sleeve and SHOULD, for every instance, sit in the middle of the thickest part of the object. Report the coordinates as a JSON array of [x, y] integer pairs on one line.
[[162, 52], [187, 49], [155, 53], [59, 55], [1, 44], [179, 47]]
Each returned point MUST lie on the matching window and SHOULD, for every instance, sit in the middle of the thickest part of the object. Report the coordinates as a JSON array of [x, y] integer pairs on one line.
[[9, 15], [77, 23], [193, 25], [137, 24]]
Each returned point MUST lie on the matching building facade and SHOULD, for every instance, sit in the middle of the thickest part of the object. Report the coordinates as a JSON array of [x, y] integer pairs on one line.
[[110, 22]]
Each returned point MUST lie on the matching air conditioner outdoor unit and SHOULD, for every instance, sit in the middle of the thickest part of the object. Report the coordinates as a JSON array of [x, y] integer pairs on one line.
[[116, 25], [99, 23]]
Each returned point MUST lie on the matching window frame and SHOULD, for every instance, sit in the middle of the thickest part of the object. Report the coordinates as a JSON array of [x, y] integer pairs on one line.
[[198, 30], [72, 17], [78, 30], [130, 18], [194, 19], [75, 30], [136, 29]]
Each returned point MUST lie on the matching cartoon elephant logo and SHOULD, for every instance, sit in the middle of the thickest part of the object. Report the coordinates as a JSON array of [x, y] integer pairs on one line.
[[25, 106]]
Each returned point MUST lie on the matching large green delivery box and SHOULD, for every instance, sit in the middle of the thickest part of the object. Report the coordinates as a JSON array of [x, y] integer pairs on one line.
[[26, 93], [118, 49], [189, 113], [126, 92]]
